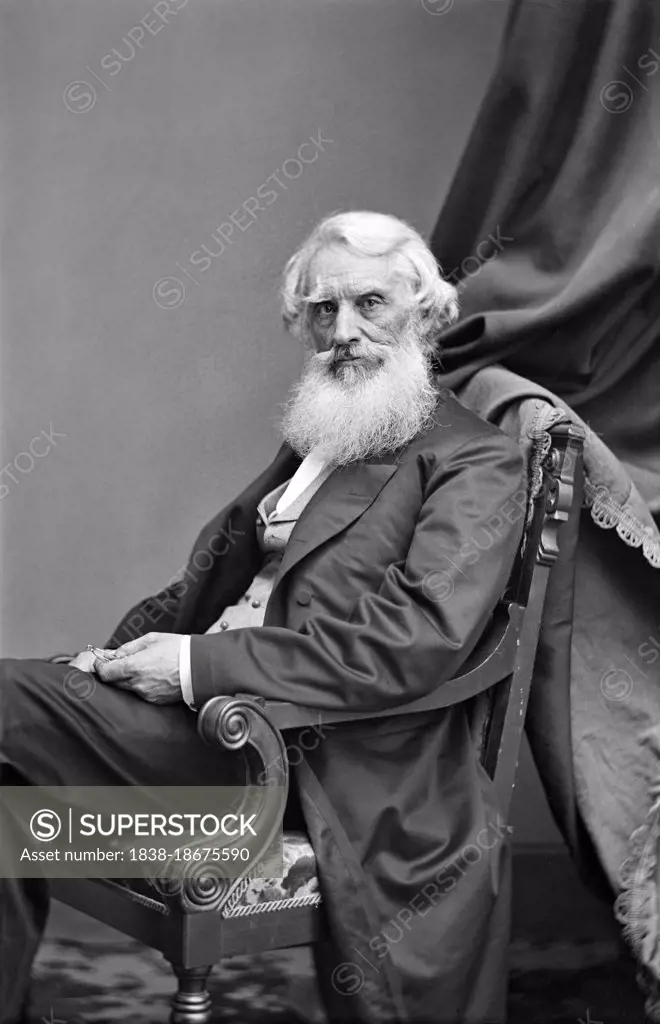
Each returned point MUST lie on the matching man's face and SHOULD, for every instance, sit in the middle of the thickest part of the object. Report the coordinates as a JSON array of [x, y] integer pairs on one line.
[[367, 389], [360, 307]]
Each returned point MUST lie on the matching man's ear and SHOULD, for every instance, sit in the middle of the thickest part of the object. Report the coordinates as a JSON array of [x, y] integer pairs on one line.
[[448, 303]]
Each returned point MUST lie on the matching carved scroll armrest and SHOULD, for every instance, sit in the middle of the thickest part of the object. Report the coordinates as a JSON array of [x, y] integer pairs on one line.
[[242, 723], [237, 724]]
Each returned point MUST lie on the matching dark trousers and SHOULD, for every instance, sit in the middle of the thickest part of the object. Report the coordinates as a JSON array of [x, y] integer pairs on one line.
[[59, 728]]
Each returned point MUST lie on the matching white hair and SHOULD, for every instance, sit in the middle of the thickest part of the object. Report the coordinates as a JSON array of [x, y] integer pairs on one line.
[[365, 233]]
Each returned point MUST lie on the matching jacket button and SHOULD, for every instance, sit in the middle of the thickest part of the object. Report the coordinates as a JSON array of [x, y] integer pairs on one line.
[[304, 596], [224, 625]]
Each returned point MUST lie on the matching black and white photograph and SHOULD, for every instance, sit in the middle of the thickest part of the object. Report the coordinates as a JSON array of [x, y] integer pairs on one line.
[[330, 512]]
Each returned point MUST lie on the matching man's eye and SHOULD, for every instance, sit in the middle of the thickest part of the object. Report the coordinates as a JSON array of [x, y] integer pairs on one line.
[[370, 302], [325, 308]]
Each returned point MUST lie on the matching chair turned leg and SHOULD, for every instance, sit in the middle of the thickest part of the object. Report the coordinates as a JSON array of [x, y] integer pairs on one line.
[[192, 1002]]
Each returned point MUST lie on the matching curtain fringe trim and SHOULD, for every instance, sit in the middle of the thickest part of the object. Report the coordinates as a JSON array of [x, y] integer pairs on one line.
[[609, 515], [635, 908], [605, 511]]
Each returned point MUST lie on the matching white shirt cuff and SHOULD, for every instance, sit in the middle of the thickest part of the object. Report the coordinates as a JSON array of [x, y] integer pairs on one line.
[[185, 672]]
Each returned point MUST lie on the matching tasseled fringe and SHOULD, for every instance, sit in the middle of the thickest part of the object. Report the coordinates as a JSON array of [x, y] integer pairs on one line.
[[605, 511], [636, 906], [609, 515]]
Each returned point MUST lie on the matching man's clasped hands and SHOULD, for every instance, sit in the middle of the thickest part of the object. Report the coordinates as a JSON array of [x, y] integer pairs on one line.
[[149, 666]]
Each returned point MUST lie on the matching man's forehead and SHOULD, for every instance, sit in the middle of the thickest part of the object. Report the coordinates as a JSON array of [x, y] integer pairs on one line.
[[335, 273]]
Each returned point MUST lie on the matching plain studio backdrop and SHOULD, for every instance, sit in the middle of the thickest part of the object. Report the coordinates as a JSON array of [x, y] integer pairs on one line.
[[136, 400]]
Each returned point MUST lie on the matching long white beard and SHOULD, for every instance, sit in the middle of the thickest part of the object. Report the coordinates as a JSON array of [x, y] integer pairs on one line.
[[365, 411]]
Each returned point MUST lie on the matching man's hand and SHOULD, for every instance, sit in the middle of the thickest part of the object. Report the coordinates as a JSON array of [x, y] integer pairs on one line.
[[149, 666], [85, 661]]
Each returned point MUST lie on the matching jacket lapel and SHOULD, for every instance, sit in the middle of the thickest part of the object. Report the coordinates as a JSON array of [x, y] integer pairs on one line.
[[341, 499], [345, 495], [230, 549]]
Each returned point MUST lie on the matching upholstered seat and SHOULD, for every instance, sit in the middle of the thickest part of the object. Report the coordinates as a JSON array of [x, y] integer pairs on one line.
[[298, 886]]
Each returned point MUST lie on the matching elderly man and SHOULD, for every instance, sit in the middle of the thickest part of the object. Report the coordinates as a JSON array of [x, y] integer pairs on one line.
[[357, 571]]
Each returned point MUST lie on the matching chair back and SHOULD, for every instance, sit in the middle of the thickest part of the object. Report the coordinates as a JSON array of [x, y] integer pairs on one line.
[[498, 715]]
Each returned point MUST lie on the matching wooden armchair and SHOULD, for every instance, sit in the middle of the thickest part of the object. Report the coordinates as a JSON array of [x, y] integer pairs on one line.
[[201, 920]]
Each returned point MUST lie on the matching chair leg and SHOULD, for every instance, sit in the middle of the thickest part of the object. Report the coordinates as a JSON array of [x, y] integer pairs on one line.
[[192, 1002]]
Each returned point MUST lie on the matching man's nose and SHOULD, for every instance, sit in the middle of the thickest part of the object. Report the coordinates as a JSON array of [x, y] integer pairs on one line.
[[347, 330]]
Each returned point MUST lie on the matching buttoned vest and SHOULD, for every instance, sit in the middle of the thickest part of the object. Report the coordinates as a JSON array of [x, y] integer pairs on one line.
[[273, 532]]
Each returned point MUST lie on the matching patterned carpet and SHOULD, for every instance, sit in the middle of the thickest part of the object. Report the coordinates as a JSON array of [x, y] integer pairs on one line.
[[567, 966]]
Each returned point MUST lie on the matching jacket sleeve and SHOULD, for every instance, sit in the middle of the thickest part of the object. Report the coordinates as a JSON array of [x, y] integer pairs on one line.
[[403, 640]]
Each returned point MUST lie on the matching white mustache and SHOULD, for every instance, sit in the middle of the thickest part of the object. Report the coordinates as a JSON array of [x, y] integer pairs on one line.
[[335, 357]]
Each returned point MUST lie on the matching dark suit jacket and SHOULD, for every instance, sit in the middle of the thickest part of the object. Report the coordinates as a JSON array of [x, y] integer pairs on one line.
[[387, 582]]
